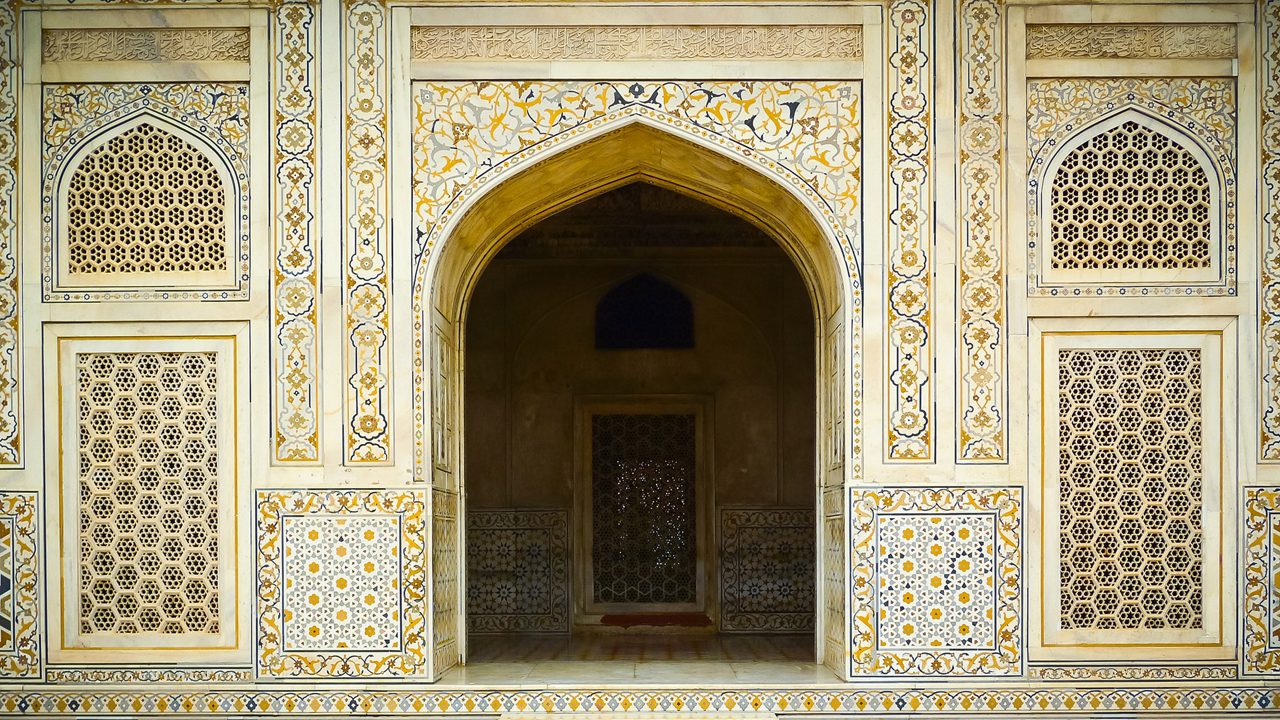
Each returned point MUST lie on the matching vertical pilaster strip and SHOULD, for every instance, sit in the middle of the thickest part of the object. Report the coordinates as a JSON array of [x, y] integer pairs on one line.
[[909, 272], [10, 342], [295, 276], [1269, 282], [982, 354], [366, 281]]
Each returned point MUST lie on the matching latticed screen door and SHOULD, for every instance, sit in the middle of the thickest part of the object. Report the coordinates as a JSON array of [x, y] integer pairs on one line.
[[644, 534]]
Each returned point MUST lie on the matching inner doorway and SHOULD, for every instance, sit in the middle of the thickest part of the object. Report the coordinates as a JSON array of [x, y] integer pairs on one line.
[[640, 442], [642, 486]]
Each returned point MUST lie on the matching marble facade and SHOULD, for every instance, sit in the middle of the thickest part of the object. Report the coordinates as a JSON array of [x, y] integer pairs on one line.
[[1043, 255]]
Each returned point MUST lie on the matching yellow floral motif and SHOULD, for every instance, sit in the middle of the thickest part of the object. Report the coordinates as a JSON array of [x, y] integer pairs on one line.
[[1262, 582]]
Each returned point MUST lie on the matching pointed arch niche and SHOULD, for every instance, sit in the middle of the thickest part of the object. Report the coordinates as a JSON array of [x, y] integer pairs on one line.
[[629, 149], [144, 202], [1132, 198]]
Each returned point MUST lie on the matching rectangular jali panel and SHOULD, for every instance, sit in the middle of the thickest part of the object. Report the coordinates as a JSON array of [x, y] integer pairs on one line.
[[643, 510], [148, 497], [1134, 448]]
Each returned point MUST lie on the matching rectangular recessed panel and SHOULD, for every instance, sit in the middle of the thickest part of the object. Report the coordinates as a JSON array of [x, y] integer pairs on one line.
[[644, 508]]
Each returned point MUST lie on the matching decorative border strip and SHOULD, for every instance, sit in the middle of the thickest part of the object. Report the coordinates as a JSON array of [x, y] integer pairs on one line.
[[22, 659], [1111, 673], [908, 274], [145, 675], [635, 42], [1004, 507], [295, 330], [1131, 40], [983, 364], [10, 336], [221, 44], [411, 657], [905, 702], [367, 280], [1269, 265], [1261, 574]]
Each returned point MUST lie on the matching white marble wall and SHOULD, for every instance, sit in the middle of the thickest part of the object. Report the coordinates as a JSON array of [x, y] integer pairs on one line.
[[898, 151]]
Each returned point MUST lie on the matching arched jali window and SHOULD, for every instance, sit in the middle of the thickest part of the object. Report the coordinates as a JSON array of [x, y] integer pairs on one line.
[[1132, 199], [644, 313], [148, 205]]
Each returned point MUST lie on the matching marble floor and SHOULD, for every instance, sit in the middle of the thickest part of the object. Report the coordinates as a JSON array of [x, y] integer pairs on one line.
[[631, 659]]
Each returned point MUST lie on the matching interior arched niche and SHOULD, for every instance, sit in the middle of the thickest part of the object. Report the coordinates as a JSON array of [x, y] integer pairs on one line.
[[531, 351]]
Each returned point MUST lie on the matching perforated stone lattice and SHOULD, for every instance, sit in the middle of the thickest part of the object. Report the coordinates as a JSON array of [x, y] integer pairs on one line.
[[146, 201], [1130, 461], [1129, 198], [644, 502], [148, 470]]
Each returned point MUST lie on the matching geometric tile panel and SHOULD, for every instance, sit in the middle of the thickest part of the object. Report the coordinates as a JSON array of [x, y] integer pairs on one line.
[[20, 651], [342, 583], [767, 569], [1262, 582], [517, 570], [937, 581], [928, 565]]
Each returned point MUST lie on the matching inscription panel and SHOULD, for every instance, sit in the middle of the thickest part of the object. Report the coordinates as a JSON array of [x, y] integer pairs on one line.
[[1131, 41], [637, 42], [158, 45]]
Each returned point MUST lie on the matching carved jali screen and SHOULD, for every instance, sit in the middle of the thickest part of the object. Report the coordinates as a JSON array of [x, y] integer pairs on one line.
[[644, 509]]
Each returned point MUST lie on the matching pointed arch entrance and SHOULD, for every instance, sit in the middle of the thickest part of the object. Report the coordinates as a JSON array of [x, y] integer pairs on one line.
[[631, 150]]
